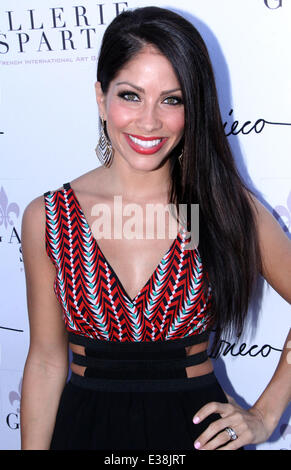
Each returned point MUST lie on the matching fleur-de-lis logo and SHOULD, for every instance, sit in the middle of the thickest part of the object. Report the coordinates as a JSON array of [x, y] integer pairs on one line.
[[7, 209], [16, 396], [284, 213]]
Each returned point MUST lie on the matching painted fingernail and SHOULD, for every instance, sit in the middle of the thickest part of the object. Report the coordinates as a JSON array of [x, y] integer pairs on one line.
[[196, 420], [197, 445]]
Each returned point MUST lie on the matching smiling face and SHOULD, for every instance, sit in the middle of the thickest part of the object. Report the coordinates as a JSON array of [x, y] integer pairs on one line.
[[143, 110]]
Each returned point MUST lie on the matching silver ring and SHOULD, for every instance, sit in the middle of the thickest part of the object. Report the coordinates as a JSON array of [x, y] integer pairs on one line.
[[232, 434]]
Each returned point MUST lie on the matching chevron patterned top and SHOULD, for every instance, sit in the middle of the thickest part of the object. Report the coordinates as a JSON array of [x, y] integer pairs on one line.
[[174, 303]]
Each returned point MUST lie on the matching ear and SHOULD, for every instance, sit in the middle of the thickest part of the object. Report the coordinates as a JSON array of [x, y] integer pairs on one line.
[[101, 100]]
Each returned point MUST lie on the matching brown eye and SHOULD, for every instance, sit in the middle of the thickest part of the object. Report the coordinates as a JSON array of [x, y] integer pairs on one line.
[[128, 96], [173, 100]]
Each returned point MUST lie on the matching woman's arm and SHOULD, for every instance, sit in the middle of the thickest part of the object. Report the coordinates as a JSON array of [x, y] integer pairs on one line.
[[276, 257], [275, 249], [252, 426], [46, 365], [255, 425], [277, 395]]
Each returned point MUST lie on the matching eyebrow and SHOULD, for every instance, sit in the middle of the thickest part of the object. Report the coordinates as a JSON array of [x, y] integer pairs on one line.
[[166, 92]]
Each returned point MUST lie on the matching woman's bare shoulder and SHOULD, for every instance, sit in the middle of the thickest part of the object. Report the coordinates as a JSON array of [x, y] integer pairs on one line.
[[275, 248], [33, 222], [94, 182]]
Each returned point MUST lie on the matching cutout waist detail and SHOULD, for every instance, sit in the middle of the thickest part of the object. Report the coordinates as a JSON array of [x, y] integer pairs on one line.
[[103, 360]]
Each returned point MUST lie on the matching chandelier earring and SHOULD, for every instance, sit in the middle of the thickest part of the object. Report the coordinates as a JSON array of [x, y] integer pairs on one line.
[[104, 149]]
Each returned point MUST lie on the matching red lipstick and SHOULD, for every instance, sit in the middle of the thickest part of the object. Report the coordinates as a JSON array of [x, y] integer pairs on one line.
[[145, 150]]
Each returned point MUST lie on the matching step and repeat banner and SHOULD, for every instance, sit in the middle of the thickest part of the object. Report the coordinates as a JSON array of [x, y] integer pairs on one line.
[[49, 129]]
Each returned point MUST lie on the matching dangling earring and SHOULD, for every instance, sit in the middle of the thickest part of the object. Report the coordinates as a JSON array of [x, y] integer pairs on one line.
[[104, 150], [180, 158]]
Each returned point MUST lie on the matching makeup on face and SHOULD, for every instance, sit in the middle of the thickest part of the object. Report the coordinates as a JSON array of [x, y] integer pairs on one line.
[[145, 110]]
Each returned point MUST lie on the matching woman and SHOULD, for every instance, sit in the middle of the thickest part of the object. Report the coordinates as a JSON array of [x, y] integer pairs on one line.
[[141, 378]]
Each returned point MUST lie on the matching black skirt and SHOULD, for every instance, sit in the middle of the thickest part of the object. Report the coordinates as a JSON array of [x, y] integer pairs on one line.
[[146, 403]]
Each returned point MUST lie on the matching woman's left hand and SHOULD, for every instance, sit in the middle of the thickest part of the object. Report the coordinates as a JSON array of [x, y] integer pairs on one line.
[[249, 426]]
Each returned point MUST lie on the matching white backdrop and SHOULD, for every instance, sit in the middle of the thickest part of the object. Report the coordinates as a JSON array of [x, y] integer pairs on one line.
[[48, 125]]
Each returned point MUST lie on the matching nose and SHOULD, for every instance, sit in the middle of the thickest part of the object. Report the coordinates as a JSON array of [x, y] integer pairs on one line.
[[149, 119]]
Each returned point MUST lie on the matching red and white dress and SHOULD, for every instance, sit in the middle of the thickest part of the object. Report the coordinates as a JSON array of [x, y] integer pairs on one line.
[[135, 393]]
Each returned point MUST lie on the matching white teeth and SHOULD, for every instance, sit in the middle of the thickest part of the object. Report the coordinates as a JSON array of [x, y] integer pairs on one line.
[[145, 143]]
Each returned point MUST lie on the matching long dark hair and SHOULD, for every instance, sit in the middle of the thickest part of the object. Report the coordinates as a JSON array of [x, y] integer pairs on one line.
[[228, 240]]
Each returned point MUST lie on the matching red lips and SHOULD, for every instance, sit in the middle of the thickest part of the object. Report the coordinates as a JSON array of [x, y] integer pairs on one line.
[[145, 150]]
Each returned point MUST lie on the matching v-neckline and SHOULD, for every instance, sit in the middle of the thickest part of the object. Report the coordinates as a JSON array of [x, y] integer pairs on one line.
[[133, 300]]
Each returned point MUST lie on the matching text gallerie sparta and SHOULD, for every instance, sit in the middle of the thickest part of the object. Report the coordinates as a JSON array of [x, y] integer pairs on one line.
[[55, 29], [64, 29]]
